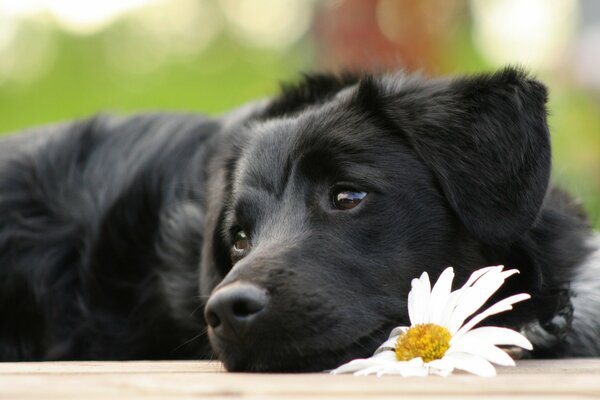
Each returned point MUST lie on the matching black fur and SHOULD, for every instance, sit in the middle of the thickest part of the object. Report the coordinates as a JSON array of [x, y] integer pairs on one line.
[[114, 232]]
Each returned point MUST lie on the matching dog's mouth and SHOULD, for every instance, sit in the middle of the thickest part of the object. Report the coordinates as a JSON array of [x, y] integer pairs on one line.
[[290, 357]]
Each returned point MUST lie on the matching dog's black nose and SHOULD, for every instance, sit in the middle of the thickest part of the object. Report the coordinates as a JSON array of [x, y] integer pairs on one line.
[[232, 309]]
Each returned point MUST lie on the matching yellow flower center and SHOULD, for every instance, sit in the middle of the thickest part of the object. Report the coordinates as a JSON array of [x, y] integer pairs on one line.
[[428, 341]]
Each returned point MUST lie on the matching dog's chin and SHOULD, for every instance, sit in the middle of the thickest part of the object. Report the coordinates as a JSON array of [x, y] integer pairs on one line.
[[287, 358]]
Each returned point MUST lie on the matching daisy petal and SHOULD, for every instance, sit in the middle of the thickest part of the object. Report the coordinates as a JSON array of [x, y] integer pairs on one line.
[[376, 369], [488, 351], [352, 366], [470, 363], [388, 345], [414, 305], [497, 336], [448, 309], [501, 306], [402, 370], [382, 359], [414, 367], [479, 273], [440, 372], [439, 295], [442, 367], [414, 371], [477, 295], [425, 297], [397, 331], [456, 296]]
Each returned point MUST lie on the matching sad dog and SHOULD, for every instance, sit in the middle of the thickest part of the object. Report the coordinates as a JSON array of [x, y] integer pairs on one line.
[[283, 236]]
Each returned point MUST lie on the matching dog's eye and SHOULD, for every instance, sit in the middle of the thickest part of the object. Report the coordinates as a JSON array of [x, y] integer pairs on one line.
[[241, 242], [347, 199]]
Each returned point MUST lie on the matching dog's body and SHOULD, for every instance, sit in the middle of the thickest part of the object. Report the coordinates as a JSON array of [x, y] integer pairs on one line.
[[309, 213]]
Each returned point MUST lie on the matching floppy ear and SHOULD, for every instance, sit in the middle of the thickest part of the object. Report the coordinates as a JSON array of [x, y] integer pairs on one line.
[[487, 141]]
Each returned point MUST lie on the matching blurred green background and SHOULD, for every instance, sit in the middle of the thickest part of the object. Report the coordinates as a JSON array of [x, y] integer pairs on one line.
[[64, 59]]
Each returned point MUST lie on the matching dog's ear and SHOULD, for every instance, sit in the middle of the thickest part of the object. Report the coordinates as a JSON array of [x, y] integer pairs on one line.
[[487, 141]]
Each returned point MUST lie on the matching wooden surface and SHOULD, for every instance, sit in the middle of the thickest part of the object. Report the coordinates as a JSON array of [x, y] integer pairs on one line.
[[554, 379]]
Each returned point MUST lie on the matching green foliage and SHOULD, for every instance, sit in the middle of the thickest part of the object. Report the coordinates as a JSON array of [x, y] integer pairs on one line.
[[82, 82]]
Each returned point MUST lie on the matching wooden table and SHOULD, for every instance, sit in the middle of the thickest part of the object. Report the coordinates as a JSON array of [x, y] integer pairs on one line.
[[559, 379]]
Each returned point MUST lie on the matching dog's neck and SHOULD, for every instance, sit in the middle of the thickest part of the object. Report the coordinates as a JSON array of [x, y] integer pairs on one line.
[[546, 335], [586, 300], [575, 323], [574, 328]]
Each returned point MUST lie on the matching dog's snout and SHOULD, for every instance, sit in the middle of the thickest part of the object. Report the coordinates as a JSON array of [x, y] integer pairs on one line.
[[232, 309]]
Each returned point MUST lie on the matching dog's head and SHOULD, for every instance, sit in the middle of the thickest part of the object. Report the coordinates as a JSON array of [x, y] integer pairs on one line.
[[343, 190]]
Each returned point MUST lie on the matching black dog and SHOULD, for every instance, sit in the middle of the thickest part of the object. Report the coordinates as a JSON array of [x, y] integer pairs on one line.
[[294, 224]]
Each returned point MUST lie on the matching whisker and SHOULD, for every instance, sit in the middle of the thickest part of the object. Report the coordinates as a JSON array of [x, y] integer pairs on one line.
[[202, 333], [200, 306]]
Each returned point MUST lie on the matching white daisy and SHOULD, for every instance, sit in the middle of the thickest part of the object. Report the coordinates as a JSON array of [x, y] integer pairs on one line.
[[438, 339]]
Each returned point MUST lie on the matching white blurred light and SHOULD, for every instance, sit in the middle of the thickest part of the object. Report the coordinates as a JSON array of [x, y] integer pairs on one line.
[[20, 8], [167, 30], [90, 16], [529, 32], [268, 23], [186, 27], [26, 52], [76, 16], [587, 54], [8, 31], [7, 34]]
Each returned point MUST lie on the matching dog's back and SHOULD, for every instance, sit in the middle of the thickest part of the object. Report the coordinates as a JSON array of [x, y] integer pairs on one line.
[[85, 210]]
